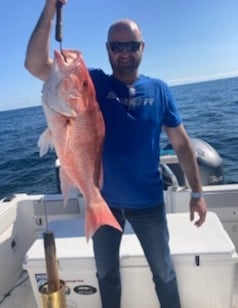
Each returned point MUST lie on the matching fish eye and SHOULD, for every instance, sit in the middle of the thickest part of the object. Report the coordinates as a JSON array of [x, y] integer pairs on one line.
[[85, 83]]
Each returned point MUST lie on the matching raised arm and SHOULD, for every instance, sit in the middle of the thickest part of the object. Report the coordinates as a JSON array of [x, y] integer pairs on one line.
[[38, 61]]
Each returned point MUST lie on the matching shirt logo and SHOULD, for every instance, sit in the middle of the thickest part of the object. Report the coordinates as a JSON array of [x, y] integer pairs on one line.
[[132, 102], [112, 95]]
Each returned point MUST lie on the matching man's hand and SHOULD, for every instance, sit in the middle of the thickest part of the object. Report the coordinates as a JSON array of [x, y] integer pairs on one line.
[[198, 206]]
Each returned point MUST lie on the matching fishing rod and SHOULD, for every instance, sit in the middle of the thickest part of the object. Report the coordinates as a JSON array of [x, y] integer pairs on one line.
[[59, 27]]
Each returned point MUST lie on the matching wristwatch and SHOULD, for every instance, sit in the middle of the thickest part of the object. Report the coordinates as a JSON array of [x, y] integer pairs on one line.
[[196, 195]]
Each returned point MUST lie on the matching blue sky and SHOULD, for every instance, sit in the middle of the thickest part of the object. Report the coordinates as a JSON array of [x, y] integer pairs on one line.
[[186, 40]]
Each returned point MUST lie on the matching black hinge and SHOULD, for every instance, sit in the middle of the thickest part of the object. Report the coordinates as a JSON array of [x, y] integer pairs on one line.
[[197, 260]]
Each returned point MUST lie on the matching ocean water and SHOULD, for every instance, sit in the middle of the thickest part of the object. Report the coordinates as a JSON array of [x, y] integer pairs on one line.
[[209, 110]]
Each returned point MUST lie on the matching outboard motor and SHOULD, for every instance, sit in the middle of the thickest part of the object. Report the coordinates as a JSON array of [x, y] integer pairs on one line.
[[209, 162]]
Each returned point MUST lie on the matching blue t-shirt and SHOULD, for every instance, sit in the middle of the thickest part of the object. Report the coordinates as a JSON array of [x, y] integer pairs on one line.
[[133, 117]]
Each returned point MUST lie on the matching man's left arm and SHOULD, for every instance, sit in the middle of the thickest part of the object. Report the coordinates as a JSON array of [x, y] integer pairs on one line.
[[182, 145]]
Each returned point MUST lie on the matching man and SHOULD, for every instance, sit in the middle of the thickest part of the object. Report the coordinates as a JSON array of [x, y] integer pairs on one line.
[[135, 108]]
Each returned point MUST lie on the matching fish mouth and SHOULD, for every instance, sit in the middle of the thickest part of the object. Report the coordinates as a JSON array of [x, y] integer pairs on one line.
[[58, 55], [66, 57]]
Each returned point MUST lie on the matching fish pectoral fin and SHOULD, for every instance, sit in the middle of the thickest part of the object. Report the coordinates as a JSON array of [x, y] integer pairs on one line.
[[66, 185], [45, 142], [99, 215]]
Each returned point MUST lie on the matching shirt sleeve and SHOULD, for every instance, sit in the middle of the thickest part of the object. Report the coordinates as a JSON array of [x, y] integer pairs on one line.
[[172, 116]]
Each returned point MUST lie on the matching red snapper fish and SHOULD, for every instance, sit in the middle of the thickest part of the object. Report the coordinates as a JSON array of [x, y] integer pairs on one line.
[[76, 131]]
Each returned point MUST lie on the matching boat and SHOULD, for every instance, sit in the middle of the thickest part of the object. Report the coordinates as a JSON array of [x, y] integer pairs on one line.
[[205, 258]]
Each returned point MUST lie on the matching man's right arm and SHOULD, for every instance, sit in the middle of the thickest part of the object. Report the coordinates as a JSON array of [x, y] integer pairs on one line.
[[38, 61]]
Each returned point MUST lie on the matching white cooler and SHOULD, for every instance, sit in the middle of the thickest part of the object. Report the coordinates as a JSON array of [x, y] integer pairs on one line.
[[204, 258]]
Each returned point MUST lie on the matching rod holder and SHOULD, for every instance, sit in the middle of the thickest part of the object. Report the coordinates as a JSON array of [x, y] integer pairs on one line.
[[54, 299]]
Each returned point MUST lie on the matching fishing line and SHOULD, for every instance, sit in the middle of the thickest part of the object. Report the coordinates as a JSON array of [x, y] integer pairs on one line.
[[59, 26]]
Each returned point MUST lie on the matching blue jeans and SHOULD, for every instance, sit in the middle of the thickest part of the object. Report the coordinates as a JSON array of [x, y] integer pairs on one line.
[[150, 226]]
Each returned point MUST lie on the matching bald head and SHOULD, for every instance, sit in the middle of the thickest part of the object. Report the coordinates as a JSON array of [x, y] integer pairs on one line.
[[125, 49], [125, 29]]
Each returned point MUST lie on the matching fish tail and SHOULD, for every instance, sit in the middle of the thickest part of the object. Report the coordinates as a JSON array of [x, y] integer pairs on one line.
[[97, 216]]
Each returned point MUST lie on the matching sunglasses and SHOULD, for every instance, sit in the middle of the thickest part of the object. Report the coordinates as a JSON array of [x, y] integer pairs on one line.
[[117, 47]]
